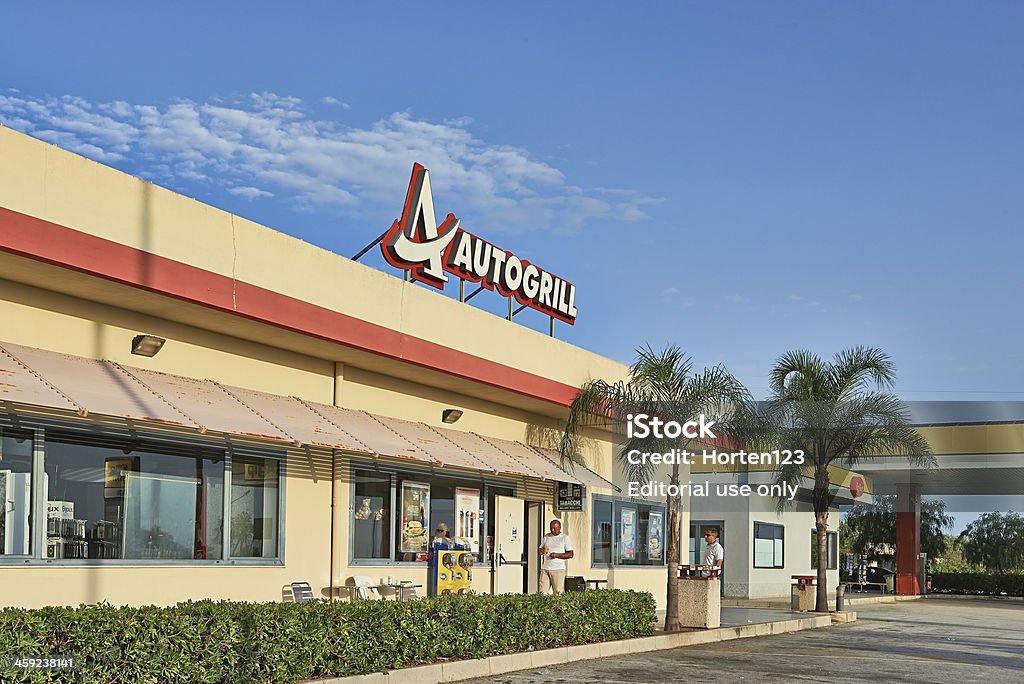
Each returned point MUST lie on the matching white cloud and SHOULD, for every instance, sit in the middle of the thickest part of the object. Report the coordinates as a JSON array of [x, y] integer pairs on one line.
[[267, 145], [336, 102], [249, 193]]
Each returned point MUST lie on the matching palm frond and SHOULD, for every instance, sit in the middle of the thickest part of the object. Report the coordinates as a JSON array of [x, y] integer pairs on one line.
[[796, 375], [854, 370]]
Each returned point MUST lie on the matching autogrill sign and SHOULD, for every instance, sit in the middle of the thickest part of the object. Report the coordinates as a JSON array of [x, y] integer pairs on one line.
[[416, 243]]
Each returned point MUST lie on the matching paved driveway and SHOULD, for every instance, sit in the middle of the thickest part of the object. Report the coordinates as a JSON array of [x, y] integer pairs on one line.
[[933, 640]]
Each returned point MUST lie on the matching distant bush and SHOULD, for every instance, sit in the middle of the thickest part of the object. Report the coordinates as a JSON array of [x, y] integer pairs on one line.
[[978, 583], [210, 641]]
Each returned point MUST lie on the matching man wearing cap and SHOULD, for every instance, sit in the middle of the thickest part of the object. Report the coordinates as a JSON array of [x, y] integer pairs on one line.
[[555, 549]]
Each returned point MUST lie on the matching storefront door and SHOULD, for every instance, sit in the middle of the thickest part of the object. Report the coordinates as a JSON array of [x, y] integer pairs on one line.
[[509, 545], [536, 515]]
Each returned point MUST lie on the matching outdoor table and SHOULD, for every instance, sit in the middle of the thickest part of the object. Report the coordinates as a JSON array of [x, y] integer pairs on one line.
[[347, 591], [400, 590]]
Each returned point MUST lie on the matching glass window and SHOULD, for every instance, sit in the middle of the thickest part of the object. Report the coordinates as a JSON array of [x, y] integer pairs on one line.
[[135, 501], [601, 544], [832, 545], [254, 507], [15, 493], [627, 532], [768, 545], [371, 517], [421, 503], [488, 547]]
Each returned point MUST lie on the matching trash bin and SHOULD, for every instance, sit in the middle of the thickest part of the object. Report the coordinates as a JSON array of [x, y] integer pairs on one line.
[[804, 594], [890, 587], [700, 602]]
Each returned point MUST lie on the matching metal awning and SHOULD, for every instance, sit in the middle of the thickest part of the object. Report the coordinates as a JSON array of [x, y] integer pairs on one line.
[[41, 378], [384, 441], [433, 442], [490, 451], [578, 472], [20, 384], [91, 386], [301, 420]]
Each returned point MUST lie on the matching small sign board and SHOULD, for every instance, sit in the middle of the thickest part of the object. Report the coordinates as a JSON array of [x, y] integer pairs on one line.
[[571, 496]]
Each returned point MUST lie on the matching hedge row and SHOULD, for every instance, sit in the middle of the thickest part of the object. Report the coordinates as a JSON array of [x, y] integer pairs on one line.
[[978, 583], [209, 641]]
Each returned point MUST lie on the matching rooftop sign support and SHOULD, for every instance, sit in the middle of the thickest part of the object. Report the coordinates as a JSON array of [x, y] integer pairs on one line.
[[429, 252]]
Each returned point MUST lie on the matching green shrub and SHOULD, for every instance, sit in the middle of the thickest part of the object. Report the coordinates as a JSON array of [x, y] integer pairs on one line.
[[221, 641], [978, 583]]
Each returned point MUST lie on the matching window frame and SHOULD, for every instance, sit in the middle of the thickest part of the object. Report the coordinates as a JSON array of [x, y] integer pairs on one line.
[[596, 501], [43, 429], [392, 496], [397, 472], [778, 563], [831, 550], [618, 503], [35, 502]]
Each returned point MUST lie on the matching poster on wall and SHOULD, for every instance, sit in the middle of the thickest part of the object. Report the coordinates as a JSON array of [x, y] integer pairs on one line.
[[467, 516], [654, 536], [628, 534], [415, 516], [113, 476]]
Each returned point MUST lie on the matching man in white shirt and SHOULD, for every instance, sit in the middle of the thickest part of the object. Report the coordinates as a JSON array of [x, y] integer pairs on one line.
[[555, 549], [714, 554]]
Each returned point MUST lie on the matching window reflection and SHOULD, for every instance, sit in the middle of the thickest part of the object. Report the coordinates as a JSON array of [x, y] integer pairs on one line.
[[15, 493], [139, 502]]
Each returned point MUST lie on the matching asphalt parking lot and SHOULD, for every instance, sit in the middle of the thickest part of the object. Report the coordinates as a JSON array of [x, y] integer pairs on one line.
[[932, 640]]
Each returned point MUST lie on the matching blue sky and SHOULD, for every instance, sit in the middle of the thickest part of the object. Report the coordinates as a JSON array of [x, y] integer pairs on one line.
[[738, 179]]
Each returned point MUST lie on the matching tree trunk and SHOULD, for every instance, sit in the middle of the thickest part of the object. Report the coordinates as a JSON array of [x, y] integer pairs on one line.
[[821, 527], [672, 558]]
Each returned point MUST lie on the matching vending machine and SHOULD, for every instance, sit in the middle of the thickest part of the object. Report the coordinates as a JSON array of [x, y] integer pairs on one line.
[[451, 572]]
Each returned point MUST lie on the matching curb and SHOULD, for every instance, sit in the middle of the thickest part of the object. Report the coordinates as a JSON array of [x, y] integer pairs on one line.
[[456, 670], [972, 597], [869, 600]]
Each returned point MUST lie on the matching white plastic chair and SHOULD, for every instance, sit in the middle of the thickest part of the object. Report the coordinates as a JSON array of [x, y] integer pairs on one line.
[[365, 588]]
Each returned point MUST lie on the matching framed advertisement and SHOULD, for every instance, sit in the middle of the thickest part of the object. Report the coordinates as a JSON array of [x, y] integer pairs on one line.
[[467, 516], [113, 475], [415, 517], [627, 536], [655, 538]]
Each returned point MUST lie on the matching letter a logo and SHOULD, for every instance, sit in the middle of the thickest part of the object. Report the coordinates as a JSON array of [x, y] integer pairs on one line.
[[415, 242]]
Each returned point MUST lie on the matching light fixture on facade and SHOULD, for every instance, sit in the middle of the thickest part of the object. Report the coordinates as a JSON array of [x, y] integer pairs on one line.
[[450, 415], [147, 345]]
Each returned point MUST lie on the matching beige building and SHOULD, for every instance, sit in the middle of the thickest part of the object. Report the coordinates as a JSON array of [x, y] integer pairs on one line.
[[291, 427], [307, 418]]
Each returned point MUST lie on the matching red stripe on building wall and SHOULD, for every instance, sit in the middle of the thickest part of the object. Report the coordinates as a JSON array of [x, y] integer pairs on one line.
[[49, 242]]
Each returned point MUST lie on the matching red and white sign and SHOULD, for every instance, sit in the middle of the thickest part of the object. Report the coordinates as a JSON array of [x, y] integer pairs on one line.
[[857, 486], [416, 243]]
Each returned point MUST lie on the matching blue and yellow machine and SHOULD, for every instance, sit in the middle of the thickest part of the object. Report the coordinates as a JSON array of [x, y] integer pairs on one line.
[[450, 572]]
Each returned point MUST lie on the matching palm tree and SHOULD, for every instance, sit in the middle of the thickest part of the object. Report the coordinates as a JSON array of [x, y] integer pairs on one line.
[[837, 413], [659, 384]]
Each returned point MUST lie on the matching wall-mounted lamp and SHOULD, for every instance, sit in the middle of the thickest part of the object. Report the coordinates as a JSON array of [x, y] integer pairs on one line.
[[450, 415], [147, 345]]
